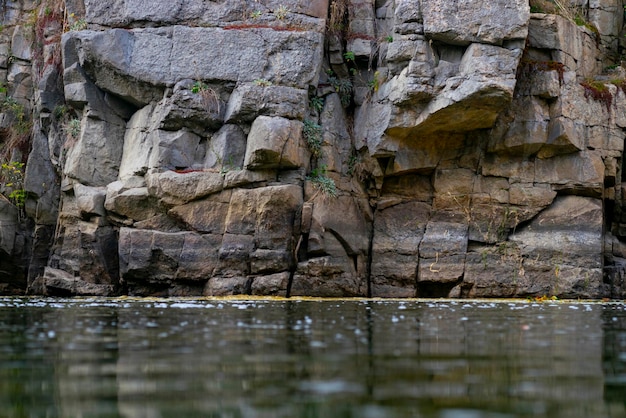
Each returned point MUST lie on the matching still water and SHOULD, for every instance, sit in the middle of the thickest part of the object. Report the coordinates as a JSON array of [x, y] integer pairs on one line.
[[311, 358]]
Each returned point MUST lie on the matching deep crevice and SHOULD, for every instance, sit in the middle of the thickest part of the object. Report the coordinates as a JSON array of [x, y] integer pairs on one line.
[[436, 289]]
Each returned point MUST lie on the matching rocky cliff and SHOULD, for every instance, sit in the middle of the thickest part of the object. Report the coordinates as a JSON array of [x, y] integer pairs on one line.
[[398, 148]]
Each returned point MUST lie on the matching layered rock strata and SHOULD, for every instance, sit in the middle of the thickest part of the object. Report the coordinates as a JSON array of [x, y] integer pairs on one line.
[[398, 148]]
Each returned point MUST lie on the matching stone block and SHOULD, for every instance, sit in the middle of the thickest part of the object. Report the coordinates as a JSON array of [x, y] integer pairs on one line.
[[275, 142], [250, 100], [464, 22]]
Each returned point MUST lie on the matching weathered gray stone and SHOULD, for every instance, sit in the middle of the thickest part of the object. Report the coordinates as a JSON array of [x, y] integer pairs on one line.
[[270, 261], [275, 142], [582, 171], [464, 21], [561, 247], [398, 231], [125, 12], [173, 188], [138, 144], [227, 286], [135, 64], [205, 216], [87, 249], [178, 150], [442, 253], [273, 285], [158, 257], [134, 203], [326, 277], [572, 45], [61, 283], [8, 223], [21, 43], [447, 177], [94, 159], [250, 100], [234, 256], [193, 105], [226, 149], [41, 182], [474, 99], [90, 200]]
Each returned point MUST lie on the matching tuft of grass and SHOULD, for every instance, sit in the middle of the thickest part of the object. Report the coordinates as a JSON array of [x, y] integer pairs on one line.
[[316, 103], [598, 91], [281, 12], [349, 56], [12, 182], [312, 133], [72, 128], [17, 135], [262, 82], [210, 98], [620, 83], [343, 87], [322, 182]]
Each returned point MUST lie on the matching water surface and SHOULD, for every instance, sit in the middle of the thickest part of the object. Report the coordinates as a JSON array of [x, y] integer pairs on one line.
[[311, 358]]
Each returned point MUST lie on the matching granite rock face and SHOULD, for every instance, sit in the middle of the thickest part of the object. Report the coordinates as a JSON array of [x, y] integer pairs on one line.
[[400, 148]]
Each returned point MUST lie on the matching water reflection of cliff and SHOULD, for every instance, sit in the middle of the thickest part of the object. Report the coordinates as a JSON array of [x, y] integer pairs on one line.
[[314, 359], [614, 358]]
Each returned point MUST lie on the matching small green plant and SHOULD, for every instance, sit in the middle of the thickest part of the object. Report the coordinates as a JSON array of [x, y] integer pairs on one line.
[[281, 12], [579, 20], [312, 133], [374, 83], [349, 56], [322, 182], [352, 162], [72, 128], [262, 82], [620, 83], [12, 180], [210, 98], [598, 91], [256, 14], [21, 124], [198, 87], [60, 111], [227, 165], [76, 23], [343, 87], [389, 39], [316, 103]]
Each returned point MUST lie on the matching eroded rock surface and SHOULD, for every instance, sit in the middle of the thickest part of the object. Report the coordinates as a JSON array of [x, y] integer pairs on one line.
[[400, 148]]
